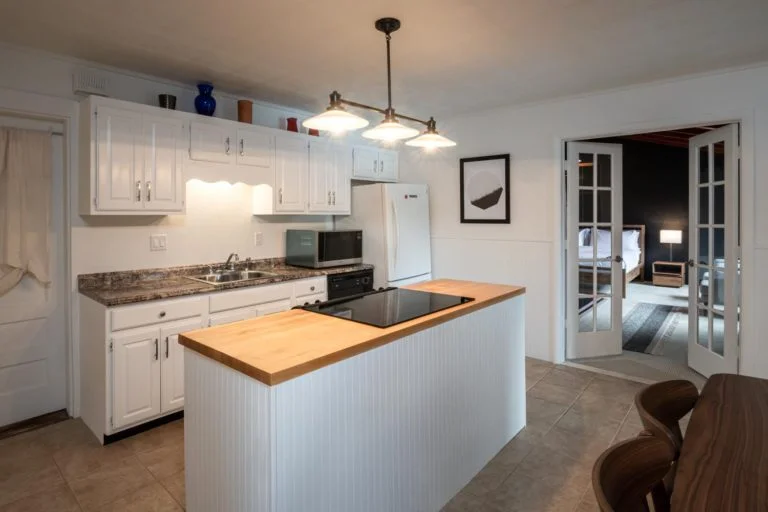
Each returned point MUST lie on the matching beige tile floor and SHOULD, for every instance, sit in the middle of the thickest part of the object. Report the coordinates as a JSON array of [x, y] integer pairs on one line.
[[573, 416]]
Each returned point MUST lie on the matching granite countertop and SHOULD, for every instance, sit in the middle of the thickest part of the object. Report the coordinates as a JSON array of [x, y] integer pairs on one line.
[[129, 287]]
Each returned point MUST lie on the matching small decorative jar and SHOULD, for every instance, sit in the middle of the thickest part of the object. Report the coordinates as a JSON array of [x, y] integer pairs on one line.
[[205, 104]]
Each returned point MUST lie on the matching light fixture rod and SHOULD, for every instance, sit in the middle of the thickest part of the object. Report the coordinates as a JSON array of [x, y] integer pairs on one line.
[[389, 75], [379, 110]]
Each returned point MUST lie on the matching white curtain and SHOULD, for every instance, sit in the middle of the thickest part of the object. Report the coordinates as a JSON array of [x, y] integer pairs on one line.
[[25, 206]]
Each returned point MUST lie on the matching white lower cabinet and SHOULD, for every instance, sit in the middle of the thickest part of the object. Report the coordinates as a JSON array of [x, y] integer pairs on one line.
[[135, 376], [172, 365]]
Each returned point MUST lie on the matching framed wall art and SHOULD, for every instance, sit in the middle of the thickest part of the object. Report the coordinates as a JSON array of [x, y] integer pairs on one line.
[[484, 189]]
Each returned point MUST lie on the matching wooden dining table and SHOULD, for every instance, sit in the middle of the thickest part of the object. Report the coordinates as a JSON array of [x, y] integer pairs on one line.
[[723, 463]]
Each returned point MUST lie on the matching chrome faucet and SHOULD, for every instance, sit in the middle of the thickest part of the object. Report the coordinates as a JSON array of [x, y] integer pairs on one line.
[[229, 265]]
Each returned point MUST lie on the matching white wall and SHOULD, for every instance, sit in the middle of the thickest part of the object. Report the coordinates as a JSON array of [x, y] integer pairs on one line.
[[527, 251], [218, 219]]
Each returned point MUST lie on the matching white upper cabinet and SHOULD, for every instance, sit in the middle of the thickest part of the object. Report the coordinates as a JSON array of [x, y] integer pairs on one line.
[[291, 172], [210, 141], [131, 160], [373, 164], [256, 147], [163, 155], [118, 152], [330, 166]]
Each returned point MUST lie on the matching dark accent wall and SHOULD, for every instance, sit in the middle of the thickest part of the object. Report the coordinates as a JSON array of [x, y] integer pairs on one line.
[[655, 183]]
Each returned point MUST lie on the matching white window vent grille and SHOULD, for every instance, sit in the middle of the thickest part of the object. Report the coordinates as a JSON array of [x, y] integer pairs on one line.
[[86, 82]]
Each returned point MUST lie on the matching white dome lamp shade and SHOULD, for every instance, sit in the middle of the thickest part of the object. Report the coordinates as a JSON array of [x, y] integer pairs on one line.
[[390, 129], [430, 139], [335, 119]]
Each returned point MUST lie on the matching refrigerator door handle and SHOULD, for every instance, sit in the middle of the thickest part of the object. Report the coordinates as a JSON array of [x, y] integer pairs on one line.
[[396, 229]]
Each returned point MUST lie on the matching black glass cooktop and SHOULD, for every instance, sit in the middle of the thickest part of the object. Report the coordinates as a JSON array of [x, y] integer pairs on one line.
[[388, 307]]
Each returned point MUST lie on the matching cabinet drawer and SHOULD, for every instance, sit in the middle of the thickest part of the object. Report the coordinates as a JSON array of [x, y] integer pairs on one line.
[[147, 314], [666, 280], [311, 299], [250, 296], [310, 286]]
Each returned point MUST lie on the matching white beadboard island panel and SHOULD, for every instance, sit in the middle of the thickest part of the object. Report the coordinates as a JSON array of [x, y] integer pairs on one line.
[[401, 428]]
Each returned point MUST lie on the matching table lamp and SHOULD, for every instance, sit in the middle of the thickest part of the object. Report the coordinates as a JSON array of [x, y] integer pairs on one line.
[[671, 236]]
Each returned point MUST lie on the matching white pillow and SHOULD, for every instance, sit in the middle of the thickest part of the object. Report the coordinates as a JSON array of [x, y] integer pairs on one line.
[[603, 239], [630, 240], [584, 237]]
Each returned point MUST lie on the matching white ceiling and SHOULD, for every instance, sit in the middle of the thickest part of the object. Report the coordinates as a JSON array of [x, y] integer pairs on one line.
[[449, 56]]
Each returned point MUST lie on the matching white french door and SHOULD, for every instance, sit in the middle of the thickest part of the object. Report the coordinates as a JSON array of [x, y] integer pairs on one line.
[[714, 252], [594, 258]]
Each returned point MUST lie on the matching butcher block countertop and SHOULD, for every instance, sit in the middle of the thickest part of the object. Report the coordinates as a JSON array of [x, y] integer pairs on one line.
[[282, 346]]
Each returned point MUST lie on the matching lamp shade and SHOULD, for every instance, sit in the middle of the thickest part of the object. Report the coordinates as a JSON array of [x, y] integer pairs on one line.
[[671, 236], [336, 120], [430, 140], [390, 130]]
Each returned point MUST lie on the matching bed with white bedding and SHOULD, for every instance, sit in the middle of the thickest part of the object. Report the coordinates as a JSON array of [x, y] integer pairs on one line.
[[633, 254]]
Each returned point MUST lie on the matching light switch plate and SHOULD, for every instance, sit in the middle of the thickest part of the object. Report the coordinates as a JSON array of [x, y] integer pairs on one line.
[[258, 238], [158, 242]]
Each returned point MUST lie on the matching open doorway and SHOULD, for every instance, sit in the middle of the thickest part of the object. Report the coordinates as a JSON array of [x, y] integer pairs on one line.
[[649, 246]]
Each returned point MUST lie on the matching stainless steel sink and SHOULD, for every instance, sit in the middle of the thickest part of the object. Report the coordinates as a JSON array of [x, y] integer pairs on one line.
[[230, 276]]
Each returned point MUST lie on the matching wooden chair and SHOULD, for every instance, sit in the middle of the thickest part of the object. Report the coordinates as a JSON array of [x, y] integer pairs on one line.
[[662, 405], [626, 473]]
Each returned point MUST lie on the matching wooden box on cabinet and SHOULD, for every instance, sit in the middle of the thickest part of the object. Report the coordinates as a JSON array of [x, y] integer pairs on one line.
[[131, 159]]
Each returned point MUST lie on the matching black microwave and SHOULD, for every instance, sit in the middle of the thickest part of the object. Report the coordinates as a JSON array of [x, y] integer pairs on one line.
[[321, 249]]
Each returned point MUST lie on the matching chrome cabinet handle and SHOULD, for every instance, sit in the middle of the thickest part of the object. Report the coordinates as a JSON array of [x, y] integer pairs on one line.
[[281, 196], [166, 347], [242, 147], [329, 197], [138, 191], [334, 198], [226, 150], [311, 288], [157, 349], [374, 165], [381, 166], [149, 191]]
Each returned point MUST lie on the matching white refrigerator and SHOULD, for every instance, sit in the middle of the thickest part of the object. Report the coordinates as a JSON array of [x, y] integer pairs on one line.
[[394, 218]]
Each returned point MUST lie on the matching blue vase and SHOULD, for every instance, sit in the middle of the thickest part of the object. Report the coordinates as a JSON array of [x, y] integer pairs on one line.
[[205, 104]]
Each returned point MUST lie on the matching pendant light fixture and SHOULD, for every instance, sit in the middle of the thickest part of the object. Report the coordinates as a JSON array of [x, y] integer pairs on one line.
[[336, 119]]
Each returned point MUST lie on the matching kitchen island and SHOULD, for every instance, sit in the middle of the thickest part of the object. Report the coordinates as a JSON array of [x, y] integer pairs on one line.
[[299, 411]]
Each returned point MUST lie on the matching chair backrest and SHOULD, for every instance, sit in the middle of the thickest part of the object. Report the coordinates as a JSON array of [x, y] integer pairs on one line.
[[626, 473], [662, 405]]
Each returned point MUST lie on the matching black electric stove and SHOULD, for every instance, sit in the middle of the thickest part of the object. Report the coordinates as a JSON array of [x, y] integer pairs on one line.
[[387, 307]]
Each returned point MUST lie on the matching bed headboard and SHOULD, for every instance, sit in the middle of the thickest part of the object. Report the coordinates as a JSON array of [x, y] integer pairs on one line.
[[641, 238]]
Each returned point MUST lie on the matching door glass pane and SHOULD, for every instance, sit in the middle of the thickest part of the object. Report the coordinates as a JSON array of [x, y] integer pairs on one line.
[[704, 164], [703, 258], [586, 278], [604, 278], [719, 160], [718, 204], [703, 205], [586, 170], [704, 286], [702, 337], [587, 317], [603, 170], [718, 247], [604, 316], [586, 206], [718, 333], [603, 206]]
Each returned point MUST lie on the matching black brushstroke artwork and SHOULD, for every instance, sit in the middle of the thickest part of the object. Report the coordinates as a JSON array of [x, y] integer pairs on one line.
[[488, 200]]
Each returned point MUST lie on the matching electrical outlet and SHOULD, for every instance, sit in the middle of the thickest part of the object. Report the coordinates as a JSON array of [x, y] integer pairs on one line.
[[258, 238], [158, 242]]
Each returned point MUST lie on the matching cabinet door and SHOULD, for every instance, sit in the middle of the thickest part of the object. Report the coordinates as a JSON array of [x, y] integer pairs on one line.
[[172, 364], [211, 143], [118, 160], [387, 165], [273, 307], [135, 376], [291, 170], [233, 315], [321, 176], [365, 163], [256, 148], [163, 154], [342, 185]]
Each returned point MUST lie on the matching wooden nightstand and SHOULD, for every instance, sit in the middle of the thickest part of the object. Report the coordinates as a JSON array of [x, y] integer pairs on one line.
[[669, 273]]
